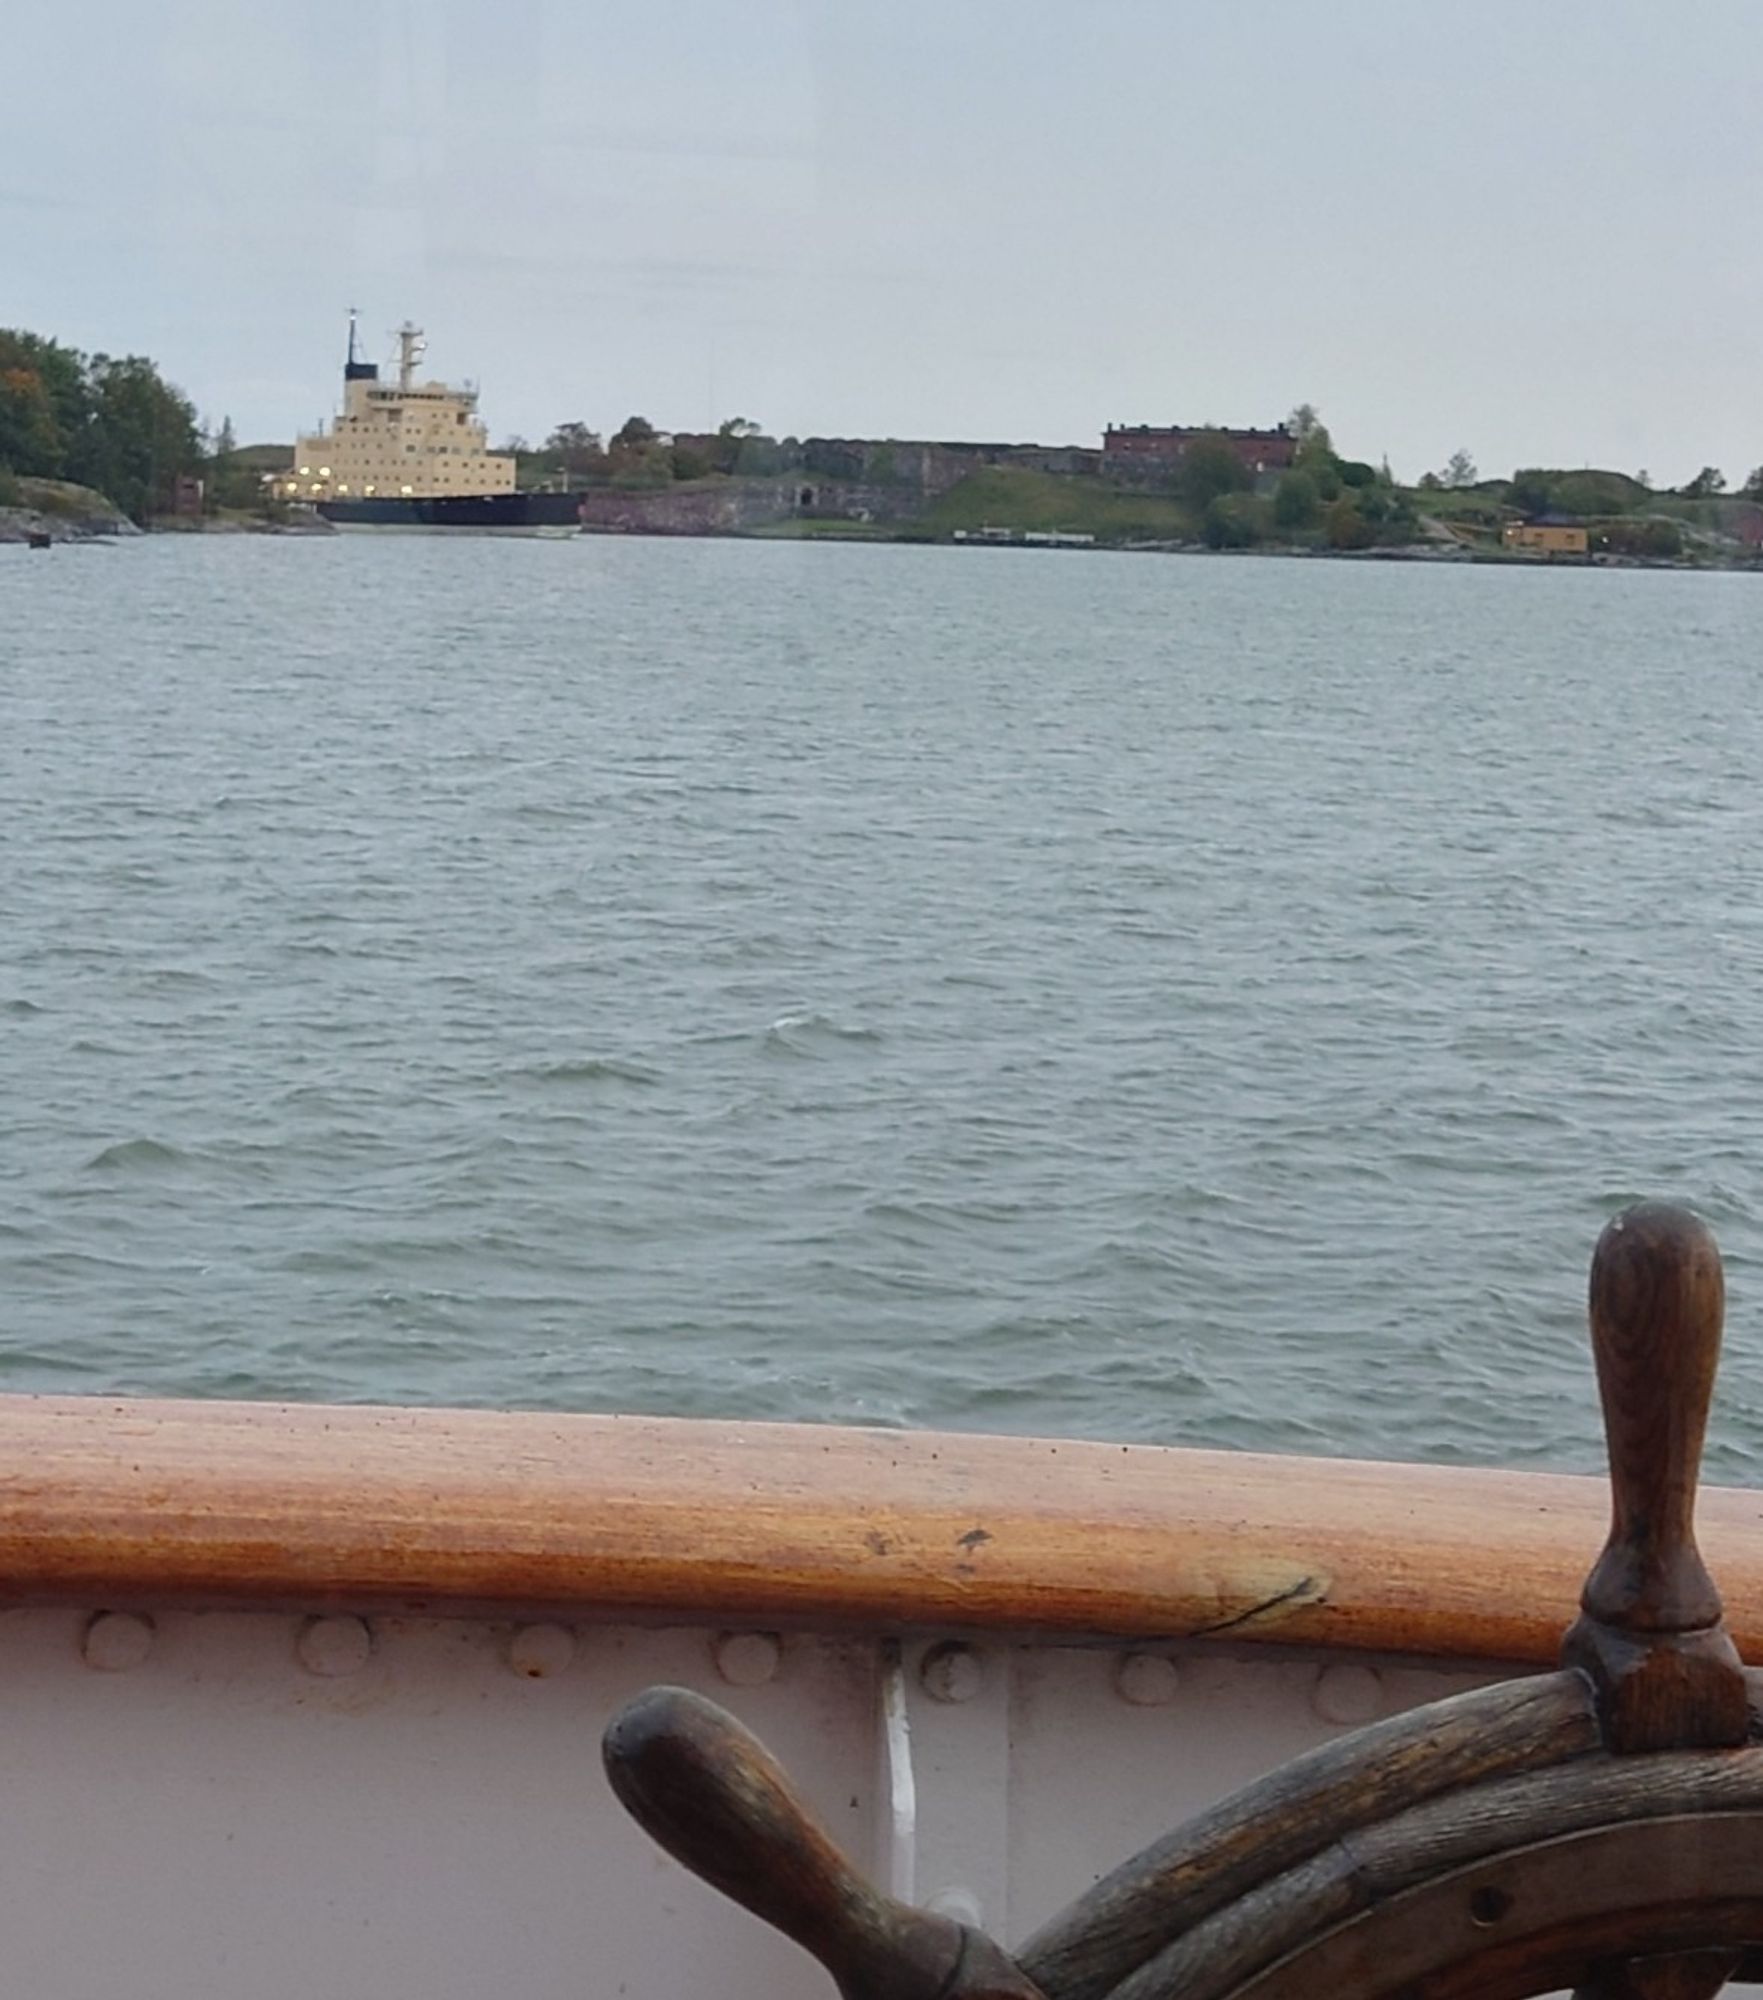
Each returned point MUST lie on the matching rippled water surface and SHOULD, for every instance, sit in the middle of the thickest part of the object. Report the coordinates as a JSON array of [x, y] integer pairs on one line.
[[1189, 999]]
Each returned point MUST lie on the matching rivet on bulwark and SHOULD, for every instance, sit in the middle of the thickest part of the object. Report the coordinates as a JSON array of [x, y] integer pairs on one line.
[[115, 1641], [961, 1904], [334, 1646], [747, 1659], [952, 1672], [539, 1652], [1147, 1680], [1348, 1695]]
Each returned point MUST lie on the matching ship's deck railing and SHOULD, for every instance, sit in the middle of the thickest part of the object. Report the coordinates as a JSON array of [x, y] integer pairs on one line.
[[117, 1502]]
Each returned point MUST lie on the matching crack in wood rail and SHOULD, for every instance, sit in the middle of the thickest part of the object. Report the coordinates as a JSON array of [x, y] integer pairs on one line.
[[1305, 1590]]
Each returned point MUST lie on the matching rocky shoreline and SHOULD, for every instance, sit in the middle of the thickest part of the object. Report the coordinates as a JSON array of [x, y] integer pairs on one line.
[[56, 510]]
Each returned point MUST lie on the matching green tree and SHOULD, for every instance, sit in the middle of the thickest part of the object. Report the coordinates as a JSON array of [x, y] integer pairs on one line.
[[1315, 455], [144, 434], [1309, 432], [1706, 484], [573, 448], [1459, 469], [1658, 539], [1346, 527], [1662, 538], [1296, 502], [760, 457], [29, 439], [1400, 523], [636, 456], [1532, 492], [112, 423], [1231, 521], [1753, 486], [1355, 472], [48, 400], [732, 435], [1375, 505], [1208, 470], [229, 481]]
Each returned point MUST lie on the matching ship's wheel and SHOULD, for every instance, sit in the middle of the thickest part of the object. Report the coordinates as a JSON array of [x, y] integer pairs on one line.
[[1598, 1829]]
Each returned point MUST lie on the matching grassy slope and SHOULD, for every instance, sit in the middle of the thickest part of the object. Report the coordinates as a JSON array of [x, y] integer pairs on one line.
[[1006, 497], [62, 496], [800, 528]]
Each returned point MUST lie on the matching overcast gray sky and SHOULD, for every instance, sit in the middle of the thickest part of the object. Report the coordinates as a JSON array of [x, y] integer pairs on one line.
[[1529, 229]]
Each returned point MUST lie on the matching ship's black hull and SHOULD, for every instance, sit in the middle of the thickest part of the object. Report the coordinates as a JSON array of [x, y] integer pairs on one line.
[[487, 513]]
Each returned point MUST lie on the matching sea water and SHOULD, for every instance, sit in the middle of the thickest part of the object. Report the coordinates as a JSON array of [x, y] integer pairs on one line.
[[1202, 1000]]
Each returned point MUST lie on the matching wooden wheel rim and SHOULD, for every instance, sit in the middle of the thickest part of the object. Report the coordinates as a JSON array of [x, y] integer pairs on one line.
[[1530, 1919], [1535, 1918], [1361, 1881]]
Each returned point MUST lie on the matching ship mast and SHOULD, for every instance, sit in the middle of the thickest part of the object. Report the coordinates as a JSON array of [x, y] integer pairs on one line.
[[410, 350], [355, 369]]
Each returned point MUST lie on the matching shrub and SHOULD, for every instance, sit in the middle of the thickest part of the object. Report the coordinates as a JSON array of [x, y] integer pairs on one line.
[[1532, 492], [1297, 504], [1347, 527], [1232, 521], [1208, 470]]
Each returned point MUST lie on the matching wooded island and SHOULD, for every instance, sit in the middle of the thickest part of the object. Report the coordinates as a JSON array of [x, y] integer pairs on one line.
[[92, 442]]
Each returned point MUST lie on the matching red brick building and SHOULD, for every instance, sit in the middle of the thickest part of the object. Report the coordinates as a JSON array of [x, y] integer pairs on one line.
[[1161, 447]]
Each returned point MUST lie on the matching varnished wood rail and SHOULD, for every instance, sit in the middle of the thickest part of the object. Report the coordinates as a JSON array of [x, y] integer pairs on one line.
[[121, 1502], [1601, 1825]]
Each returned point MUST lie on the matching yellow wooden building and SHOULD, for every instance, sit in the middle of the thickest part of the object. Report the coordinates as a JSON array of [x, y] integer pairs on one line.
[[1547, 538]]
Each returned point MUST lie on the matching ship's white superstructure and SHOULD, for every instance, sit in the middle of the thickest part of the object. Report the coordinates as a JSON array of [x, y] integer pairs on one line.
[[409, 440]]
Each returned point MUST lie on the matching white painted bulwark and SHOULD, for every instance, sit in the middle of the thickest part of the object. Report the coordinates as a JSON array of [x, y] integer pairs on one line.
[[307, 1701], [431, 1819]]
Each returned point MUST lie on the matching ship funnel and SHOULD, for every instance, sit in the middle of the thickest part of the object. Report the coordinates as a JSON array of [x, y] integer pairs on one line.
[[355, 369]]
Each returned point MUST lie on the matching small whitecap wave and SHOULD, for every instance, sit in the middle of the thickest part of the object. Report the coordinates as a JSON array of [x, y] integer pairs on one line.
[[813, 1034]]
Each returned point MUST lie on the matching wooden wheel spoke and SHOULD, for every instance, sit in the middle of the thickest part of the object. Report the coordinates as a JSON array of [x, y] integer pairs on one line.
[[1599, 1828]]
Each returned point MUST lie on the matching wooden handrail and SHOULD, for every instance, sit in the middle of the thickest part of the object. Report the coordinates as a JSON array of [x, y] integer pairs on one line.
[[106, 1502]]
